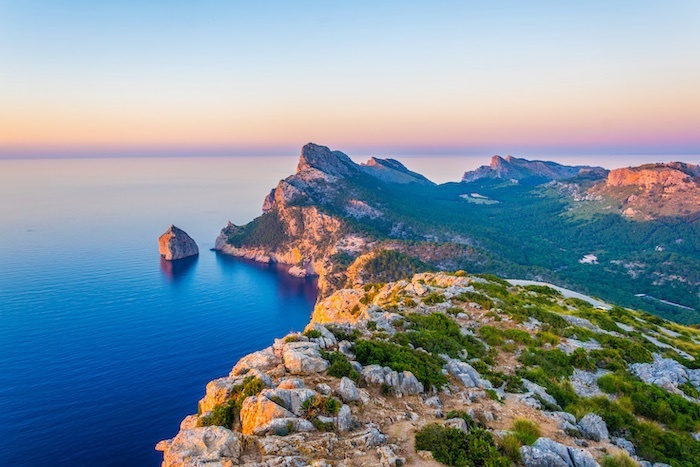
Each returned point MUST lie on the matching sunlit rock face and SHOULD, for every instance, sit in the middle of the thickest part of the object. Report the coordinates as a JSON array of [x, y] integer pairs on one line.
[[175, 244]]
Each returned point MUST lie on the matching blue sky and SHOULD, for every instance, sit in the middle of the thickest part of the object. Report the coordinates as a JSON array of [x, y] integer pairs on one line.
[[548, 76]]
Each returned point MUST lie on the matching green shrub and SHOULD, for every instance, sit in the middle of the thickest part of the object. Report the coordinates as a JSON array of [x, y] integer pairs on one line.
[[433, 298], [426, 367], [475, 297], [372, 325], [438, 334], [340, 365], [386, 390], [454, 447], [343, 335], [227, 414], [492, 336], [526, 431], [621, 459], [321, 405], [579, 359], [543, 290], [454, 310], [554, 362], [510, 447], [312, 333], [222, 415], [544, 337], [519, 336]]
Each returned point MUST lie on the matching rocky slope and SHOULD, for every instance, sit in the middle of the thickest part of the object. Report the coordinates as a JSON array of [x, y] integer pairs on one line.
[[456, 368], [175, 244], [513, 168], [653, 190]]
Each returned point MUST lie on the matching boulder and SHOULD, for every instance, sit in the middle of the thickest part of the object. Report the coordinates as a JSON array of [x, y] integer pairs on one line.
[[201, 446], [219, 390], [458, 423], [593, 427], [466, 374], [343, 420], [548, 453], [175, 244], [290, 399], [401, 383], [263, 360], [258, 411], [302, 358], [347, 390]]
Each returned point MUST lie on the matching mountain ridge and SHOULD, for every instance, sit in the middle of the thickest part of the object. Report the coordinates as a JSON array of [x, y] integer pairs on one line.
[[328, 216]]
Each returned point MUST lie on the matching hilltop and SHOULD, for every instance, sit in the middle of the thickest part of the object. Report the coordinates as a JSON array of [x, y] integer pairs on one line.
[[456, 368], [352, 223], [513, 168]]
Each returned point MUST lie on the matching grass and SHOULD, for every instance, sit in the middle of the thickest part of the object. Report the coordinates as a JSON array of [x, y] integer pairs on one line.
[[526, 431]]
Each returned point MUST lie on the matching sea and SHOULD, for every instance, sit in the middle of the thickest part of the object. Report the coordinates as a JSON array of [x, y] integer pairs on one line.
[[105, 347]]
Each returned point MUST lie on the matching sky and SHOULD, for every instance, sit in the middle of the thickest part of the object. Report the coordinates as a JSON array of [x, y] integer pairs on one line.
[[440, 77]]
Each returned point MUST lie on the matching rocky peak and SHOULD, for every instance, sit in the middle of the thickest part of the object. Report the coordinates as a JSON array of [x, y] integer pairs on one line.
[[393, 171], [175, 244], [314, 156], [647, 176], [518, 169]]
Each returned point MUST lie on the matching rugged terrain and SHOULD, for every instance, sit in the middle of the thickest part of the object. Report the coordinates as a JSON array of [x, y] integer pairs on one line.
[[460, 369], [571, 226]]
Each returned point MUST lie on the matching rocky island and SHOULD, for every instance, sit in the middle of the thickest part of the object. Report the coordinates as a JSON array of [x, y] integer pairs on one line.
[[402, 365], [175, 244]]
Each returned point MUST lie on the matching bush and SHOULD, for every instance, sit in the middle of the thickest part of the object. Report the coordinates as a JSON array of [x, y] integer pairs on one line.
[[433, 298], [519, 336], [491, 335], [474, 297], [426, 367], [454, 447], [510, 447], [438, 334], [312, 333], [544, 337], [228, 413], [340, 365], [526, 431], [321, 405], [618, 460]]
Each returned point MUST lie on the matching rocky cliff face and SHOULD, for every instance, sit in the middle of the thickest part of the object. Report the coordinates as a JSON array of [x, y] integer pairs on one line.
[[308, 213], [387, 374], [175, 244], [653, 190], [513, 168]]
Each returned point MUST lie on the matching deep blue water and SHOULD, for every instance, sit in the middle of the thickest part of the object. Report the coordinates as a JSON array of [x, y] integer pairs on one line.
[[104, 348]]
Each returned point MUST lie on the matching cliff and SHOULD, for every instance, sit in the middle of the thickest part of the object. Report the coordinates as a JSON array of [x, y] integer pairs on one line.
[[653, 190], [456, 368], [513, 168]]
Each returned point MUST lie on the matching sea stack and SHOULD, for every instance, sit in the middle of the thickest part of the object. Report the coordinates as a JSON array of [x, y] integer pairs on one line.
[[175, 244]]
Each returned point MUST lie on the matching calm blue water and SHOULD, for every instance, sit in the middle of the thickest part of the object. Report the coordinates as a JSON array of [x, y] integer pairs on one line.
[[104, 348]]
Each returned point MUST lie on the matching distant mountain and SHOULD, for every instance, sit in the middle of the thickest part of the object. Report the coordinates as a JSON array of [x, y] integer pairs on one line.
[[353, 224], [513, 168], [653, 190]]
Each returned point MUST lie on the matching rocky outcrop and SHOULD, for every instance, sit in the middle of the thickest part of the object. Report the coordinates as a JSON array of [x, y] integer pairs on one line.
[[548, 453], [513, 168], [175, 244], [205, 446], [653, 190], [666, 373], [393, 171]]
